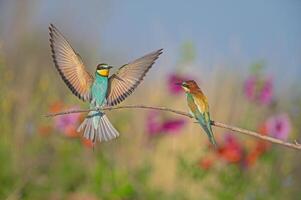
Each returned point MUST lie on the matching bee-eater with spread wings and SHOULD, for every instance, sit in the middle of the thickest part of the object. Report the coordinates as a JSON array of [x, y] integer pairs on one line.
[[100, 90], [198, 105]]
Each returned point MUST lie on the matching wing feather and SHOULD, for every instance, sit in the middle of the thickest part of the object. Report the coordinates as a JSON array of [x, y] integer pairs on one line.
[[70, 66], [128, 77], [201, 102]]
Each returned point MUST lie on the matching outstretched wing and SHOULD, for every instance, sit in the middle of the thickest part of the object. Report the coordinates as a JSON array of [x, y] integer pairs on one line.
[[70, 65], [128, 77]]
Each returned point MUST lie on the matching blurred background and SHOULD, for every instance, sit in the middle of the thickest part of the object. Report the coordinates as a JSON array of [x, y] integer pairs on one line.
[[244, 55]]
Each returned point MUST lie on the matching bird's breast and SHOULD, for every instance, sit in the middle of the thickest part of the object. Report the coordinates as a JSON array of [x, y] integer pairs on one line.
[[99, 90]]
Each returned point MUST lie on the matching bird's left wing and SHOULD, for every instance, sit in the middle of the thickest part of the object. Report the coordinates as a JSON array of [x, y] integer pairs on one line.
[[201, 102], [70, 65], [128, 77]]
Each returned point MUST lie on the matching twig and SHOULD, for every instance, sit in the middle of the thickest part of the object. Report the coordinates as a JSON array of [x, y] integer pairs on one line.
[[294, 145]]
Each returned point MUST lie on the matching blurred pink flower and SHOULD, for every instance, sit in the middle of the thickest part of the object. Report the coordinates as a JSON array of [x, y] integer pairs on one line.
[[67, 124], [173, 79], [259, 90], [279, 126], [153, 123], [156, 125], [172, 125], [250, 87], [266, 93]]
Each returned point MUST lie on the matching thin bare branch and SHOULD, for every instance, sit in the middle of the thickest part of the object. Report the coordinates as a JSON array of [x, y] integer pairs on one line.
[[294, 145]]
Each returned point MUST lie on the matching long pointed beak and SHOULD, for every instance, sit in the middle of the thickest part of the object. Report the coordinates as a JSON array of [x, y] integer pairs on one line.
[[179, 84], [109, 67]]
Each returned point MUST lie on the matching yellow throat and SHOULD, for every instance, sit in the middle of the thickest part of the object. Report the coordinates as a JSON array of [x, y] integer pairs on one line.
[[186, 89], [103, 72]]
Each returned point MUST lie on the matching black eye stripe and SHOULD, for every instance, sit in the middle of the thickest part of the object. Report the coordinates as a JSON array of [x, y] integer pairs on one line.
[[100, 68]]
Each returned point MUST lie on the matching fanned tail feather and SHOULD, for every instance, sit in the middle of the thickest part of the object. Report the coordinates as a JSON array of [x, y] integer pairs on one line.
[[97, 126]]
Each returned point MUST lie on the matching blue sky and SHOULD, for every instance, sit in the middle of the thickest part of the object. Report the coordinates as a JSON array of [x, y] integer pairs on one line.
[[229, 32]]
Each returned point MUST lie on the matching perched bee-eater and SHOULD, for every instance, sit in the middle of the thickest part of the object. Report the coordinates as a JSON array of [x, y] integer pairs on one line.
[[198, 106], [100, 90]]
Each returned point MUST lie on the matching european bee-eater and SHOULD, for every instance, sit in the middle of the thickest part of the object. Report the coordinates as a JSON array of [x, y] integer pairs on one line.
[[198, 106], [100, 90]]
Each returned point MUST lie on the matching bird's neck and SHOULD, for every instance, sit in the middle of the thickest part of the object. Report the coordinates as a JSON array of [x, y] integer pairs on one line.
[[100, 79]]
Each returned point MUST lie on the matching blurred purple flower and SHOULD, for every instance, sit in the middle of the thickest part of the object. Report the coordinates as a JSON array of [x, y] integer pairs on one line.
[[65, 122], [173, 79], [156, 125], [259, 90], [279, 126]]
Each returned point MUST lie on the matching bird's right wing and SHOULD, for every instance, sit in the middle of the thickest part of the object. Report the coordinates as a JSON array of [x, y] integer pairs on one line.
[[128, 77], [70, 65]]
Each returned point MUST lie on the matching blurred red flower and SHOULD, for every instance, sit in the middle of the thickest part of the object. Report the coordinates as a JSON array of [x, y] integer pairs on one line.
[[71, 131], [261, 144], [251, 158], [206, 163], [56, 106], [231, 150], [259, 148], [87, 143]]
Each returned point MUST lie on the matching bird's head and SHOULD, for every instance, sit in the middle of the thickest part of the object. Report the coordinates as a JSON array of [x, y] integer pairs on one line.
[[103, 69], [189, 86]]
